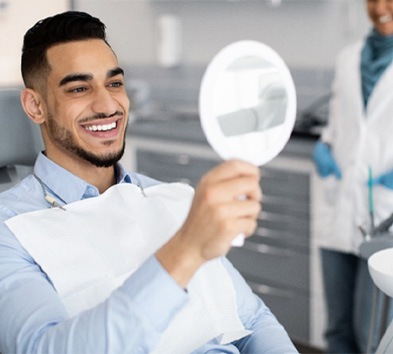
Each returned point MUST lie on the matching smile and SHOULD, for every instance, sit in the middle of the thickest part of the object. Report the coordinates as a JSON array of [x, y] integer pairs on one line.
[[102, 127], [385, 19]]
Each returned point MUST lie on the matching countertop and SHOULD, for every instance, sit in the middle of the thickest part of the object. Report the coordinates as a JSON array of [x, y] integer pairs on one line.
[[189, 130]]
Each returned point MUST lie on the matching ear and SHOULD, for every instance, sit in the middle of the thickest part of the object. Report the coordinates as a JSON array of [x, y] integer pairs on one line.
[[33, 105]]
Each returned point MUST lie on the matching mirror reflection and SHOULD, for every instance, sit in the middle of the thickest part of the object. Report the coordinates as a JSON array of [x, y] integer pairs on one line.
[[247, 102], [250, 97]]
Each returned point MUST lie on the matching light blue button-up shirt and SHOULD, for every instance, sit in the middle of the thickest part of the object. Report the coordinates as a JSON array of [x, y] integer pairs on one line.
[[33, 318]]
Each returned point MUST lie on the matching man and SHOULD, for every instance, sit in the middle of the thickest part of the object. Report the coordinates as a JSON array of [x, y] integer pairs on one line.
[[163, 300]]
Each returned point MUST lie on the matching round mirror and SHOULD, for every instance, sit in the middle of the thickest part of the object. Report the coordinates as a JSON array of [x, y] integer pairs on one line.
[[247, 102]]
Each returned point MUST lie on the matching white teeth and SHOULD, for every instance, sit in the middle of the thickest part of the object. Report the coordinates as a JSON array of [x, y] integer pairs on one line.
[[385, 19], [103, 127]]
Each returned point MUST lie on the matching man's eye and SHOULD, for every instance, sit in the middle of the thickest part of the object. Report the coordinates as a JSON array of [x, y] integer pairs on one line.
[[78, 89], [116, 84]]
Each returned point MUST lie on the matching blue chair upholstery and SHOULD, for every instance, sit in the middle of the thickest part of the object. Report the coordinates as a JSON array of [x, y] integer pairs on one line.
[[20, 139]]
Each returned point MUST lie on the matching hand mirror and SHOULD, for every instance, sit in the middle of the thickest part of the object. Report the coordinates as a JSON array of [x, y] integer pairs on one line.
[[247, 103]]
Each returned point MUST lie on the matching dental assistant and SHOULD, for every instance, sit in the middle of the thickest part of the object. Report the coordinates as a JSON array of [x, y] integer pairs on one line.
[[358, 138]]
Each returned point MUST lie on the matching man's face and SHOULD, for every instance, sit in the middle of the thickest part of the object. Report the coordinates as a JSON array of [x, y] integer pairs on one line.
[[381, 15], [86, 104]]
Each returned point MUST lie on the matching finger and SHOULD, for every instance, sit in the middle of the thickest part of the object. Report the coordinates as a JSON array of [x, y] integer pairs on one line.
[[231, 169], [243, 187], [245, 226], [248, 226], [244, 209], [235, 210]]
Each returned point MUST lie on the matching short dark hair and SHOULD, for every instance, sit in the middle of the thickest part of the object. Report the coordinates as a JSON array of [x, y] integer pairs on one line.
[[61, 28]]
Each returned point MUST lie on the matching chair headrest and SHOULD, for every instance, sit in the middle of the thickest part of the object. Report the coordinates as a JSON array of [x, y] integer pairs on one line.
[[20, 139]]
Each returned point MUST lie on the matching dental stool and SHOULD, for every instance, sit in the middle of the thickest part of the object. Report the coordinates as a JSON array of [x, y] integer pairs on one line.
[[20, 139]]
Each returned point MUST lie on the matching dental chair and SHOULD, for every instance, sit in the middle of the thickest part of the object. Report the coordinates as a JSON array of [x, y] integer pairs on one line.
[[20, 139]]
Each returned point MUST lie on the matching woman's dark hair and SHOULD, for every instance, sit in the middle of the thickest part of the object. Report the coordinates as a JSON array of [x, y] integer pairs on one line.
[[65, 27]]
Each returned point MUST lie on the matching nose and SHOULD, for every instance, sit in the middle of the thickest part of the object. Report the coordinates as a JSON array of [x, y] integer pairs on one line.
[[104, 103]]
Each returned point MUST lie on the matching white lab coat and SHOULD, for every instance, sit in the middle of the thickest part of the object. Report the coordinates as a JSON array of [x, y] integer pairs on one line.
[[359, 139]]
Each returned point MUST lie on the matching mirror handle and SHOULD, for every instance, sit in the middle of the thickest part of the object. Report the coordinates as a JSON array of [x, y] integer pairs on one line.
[[238, 241]]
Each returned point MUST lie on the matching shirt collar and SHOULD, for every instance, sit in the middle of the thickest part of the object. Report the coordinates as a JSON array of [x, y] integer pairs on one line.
[[65, 185]]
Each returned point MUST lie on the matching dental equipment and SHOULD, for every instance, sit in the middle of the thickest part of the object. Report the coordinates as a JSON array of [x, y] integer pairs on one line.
[[371, 198]]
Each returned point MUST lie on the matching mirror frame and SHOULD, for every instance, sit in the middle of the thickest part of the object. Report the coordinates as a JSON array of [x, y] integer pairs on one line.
[[210, 125]]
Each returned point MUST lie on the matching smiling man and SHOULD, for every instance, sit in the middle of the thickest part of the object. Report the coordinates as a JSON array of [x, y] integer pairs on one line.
[[82, 108], [94, 259]]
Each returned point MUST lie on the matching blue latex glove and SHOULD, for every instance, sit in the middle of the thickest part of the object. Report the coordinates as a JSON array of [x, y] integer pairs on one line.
[[325, 162], [386, 180]]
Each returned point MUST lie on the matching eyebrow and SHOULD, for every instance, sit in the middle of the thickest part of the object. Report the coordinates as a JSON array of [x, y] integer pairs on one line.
[[89, 77], [114, 72]]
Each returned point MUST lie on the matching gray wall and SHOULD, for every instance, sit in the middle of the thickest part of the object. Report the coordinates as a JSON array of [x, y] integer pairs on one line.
[[16, 17], [307, 33]]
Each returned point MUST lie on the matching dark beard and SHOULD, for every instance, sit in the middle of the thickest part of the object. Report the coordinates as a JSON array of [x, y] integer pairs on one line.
[[63, 138], [98, 161]]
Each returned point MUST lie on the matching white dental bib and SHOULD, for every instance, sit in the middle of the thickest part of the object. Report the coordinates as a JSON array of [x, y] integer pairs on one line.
[[91, 248]]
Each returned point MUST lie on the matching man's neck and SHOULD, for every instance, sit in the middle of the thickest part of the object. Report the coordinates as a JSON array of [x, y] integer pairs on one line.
[[100, 177]]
